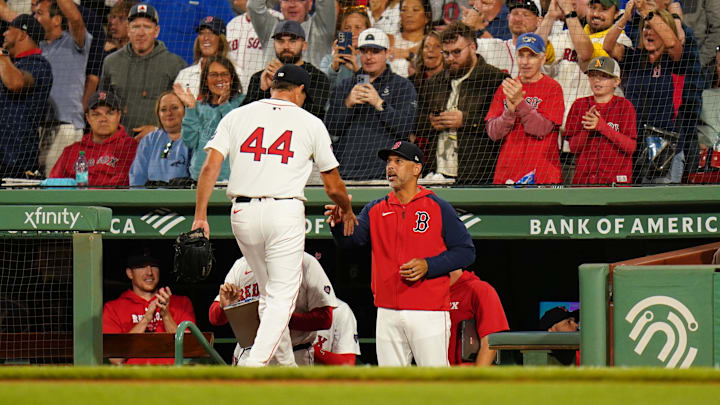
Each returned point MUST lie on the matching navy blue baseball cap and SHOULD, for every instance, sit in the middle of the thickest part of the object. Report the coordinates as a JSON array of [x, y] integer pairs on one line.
[[557, 314], [106, 98], [30, 25], [141, 258], [144, 10], [293, 74], [531, 41], [289, 27], [406, 149], [215, 24]]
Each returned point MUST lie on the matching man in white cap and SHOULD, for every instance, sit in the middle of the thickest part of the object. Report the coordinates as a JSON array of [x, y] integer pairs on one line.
[[371, 110]]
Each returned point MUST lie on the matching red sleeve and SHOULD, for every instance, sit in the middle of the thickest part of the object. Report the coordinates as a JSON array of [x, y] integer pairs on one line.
[[627, 140], [533, 122], [574, 130], [497, 106], [490, 316], [111, 323], [58, 171], [317, 319], [183, 310], [333, 359], [217, 315]]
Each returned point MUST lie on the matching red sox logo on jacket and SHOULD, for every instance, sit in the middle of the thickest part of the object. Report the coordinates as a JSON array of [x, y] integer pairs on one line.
[[534, 102], [422, 221]]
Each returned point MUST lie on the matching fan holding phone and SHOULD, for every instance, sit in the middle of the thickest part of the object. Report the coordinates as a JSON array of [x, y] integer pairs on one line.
[[345, 59]]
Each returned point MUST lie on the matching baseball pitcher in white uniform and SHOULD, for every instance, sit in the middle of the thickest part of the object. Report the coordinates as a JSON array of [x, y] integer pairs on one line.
[[272, 144], [314, 308]]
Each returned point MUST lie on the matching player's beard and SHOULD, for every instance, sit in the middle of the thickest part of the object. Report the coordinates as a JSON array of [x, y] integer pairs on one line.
[[289, 59]]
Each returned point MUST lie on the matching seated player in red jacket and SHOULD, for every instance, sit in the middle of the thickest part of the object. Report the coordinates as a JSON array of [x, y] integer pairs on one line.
[[525, 115], [109, 150], [145, 308], [601, 129], [472, 298]]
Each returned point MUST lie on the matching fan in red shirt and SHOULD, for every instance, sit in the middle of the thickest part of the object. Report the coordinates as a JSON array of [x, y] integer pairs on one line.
[[602, 129], [145, 308], [525, 114], [109, 150], [472, 298]]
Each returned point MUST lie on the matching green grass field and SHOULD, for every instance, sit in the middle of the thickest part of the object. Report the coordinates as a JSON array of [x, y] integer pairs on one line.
[[326, 386]]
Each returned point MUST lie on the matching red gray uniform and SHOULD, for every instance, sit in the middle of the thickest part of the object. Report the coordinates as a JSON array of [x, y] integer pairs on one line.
[[121, 314], [472, 298], [427, 227]]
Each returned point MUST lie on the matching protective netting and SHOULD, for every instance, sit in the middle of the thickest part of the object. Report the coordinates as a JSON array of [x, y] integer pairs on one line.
[[36, 300], [431, 81]]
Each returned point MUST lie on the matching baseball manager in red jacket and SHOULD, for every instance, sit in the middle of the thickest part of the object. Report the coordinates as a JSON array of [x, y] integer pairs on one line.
[[416, 239]]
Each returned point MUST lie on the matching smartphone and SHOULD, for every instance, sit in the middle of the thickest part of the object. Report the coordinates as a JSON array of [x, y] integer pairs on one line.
[[344, 39], [363, 79]]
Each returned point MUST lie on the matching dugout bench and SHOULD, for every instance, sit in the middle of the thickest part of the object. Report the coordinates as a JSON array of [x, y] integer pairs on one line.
[[23, 348]]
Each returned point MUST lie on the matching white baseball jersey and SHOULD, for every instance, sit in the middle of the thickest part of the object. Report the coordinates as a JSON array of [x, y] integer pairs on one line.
[[315, 292], [567, 72], [245, 49], [271, 145], [342, 337]]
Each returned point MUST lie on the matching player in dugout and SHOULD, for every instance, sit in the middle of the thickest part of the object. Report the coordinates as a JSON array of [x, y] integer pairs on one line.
[[145, 308], [313, 306]]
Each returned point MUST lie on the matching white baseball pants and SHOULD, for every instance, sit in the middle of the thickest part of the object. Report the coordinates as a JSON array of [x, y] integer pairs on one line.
[[402, 335], [271, 235]]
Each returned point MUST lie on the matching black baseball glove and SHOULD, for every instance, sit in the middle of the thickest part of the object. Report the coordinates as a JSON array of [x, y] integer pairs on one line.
[[193, 257]]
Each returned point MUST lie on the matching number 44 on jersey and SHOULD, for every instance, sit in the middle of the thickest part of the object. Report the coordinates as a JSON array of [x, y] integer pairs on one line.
[[281, 146]]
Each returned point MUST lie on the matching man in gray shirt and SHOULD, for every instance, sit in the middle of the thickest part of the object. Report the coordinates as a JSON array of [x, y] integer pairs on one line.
[[320, 27], [141, 70], [67, 51]]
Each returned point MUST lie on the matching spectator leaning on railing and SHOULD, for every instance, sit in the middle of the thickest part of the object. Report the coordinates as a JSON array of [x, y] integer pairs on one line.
[[25, 82]]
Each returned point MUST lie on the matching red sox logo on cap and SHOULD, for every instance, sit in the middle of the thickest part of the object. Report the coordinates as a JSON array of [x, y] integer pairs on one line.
[[397, 145], [102, 95], [142, 8], [208, 19]]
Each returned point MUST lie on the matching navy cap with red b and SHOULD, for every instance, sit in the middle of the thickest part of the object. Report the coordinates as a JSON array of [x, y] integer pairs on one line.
[[405, 149]]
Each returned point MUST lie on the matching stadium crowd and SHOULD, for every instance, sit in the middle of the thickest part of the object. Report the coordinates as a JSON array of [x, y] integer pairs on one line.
[[494, 92]]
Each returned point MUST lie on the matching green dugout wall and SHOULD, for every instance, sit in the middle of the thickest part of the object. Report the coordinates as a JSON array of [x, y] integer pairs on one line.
[[490, 213], [584, 224]]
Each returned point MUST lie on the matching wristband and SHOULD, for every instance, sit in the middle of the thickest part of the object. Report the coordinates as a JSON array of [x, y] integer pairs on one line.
[[572, 14]]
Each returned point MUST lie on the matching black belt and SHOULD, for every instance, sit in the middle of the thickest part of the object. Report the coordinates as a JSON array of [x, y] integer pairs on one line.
[[302, 346], [242, 199]]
